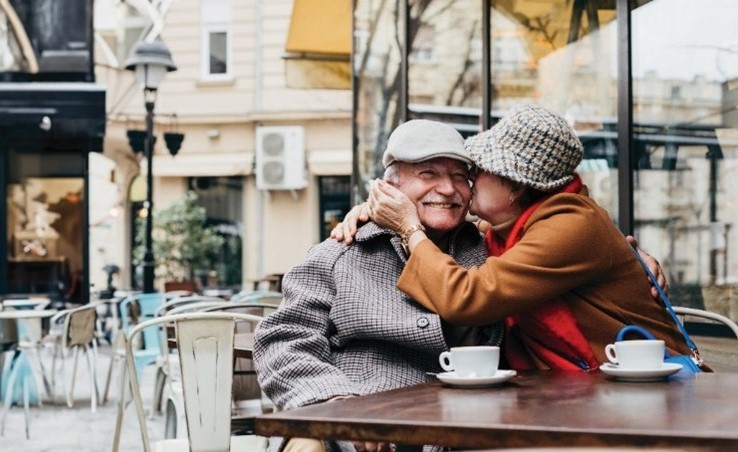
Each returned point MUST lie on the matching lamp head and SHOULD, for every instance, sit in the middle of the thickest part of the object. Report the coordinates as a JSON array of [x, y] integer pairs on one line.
[[150, 61]]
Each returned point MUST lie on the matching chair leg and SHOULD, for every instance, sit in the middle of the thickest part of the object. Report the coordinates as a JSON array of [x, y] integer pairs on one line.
[[25, 404], [159, 382], [94, 369], [121, 410], [9, 390], [170, 421], [44, 378], [93, 388], [54, 356], [113, 359], [70, 392]]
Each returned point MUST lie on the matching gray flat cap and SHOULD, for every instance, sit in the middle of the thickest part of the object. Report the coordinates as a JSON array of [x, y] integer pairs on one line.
[[420, 139]]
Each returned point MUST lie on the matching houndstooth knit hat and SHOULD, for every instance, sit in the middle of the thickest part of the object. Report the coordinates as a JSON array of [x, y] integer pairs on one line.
[[529, 145]]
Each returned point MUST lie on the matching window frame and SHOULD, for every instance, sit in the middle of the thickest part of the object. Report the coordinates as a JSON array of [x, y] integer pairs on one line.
[[207, 31]]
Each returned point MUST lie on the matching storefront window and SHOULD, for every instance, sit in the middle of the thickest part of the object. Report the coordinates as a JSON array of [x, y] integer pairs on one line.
[[378, 36], [685, 81], [445, 63], [562, 55], [222, 198], [335, 202], [44, 225]]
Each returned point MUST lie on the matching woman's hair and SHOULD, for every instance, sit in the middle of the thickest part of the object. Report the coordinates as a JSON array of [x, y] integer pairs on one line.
[[528, 195]]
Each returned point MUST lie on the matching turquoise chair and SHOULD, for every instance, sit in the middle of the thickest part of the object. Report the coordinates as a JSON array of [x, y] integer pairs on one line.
[[146, 306]]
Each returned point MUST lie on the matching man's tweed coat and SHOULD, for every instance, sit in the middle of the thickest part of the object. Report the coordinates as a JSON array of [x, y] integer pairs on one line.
[[345, 329]]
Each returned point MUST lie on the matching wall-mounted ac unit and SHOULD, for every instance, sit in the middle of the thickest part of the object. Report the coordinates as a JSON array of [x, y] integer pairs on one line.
[[280, 158]]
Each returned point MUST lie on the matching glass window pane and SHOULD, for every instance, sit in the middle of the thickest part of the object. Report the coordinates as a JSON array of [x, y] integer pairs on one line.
[[445, 62], [685, 81], [45, 218], [218, 52], [562, 55], [335, 202], [222, 199], [378, 32]]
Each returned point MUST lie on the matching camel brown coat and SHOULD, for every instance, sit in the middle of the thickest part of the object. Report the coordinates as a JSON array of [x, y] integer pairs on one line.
[[570, 249]]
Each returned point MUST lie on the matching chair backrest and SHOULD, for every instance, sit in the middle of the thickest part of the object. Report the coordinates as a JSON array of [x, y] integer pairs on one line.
[[80, 325], [171, 294], [138, 308], [166, 307], [257, 296], [244, 307], [245, 384], [205, 341], [708, 315]]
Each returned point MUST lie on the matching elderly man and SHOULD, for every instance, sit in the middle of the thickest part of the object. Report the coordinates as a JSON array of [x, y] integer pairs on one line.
[[344, 329]]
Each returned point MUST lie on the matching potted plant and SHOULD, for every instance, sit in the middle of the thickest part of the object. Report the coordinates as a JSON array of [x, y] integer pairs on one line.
[[183, 246]]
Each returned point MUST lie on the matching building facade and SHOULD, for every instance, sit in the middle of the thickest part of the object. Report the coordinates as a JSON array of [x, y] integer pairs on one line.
[[264, 104]]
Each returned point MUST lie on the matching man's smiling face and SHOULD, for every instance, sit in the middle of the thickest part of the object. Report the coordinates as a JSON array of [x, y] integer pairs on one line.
[[440, 190]]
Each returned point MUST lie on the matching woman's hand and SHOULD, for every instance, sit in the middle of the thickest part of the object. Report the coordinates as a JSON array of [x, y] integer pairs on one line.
[[390, 208], [345, 231], [653, 265]]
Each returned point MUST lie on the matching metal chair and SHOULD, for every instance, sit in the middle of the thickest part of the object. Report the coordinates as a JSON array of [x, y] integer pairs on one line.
[[136, 309], [682, 311], [205, 341], [166, 362], [76, 330], [249, 399], [20, 381]]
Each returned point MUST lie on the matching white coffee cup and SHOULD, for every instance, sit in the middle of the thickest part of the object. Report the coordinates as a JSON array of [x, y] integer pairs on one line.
[[636, 354], [476, 361]]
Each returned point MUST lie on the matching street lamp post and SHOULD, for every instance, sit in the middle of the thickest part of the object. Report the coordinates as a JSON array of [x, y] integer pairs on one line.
[[150, 61]]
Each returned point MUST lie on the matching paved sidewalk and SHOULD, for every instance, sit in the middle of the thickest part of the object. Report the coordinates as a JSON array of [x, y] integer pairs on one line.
[[56, 428]]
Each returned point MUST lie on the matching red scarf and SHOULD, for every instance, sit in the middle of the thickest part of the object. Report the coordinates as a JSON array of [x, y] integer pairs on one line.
[[548, 333]]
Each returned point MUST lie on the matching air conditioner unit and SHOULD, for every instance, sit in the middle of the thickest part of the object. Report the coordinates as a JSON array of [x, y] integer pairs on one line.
[[280, 158]]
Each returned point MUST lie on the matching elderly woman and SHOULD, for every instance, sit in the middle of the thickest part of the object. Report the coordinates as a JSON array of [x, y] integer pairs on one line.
[[560, 274]]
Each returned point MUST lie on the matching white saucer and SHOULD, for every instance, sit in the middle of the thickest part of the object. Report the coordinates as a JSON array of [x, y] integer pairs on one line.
[[498, 377], [664, 371]]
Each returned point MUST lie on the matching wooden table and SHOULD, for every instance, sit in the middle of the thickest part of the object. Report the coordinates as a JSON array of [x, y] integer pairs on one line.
[[532, 410]]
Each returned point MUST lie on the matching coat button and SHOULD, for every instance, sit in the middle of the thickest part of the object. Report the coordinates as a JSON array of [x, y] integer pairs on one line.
[[423, 322]]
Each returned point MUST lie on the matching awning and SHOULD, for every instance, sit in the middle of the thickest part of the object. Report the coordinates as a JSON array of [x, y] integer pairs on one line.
[[318, 47], [53, 116], [329, 163], [320, 27], [202, 165]]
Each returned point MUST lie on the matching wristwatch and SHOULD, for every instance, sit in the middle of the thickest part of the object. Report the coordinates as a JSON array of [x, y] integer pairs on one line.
[[410, 231]]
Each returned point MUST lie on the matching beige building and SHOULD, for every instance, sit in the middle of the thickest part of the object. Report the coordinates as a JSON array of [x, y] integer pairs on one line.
[[262, 96]]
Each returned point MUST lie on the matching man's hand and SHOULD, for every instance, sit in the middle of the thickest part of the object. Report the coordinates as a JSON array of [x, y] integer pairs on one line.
[[390, 208], [346, 230], [653, 265]]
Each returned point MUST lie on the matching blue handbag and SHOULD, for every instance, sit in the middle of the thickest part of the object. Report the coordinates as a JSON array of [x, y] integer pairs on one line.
[[690, 363]]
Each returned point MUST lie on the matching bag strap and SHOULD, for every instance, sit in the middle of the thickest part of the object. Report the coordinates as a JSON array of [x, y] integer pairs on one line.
[[669, 308]]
